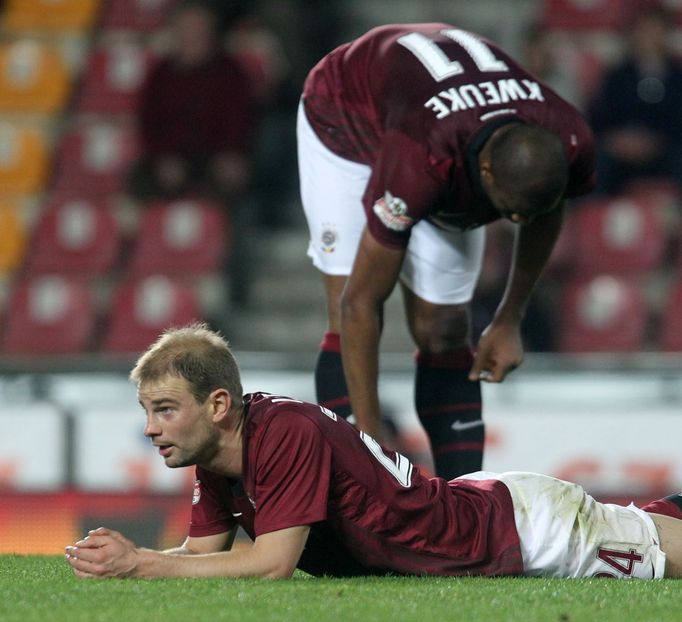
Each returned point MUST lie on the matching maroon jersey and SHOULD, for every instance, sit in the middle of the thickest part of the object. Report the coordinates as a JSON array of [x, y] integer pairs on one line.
[[370, 511], [417, 102]]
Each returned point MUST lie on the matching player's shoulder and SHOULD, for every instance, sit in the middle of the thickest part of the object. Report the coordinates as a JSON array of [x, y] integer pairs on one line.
[[266, 406]]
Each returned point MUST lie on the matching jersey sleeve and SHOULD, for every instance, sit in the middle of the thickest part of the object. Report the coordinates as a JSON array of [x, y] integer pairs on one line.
[[401, 189], [209, 515], [292, 474]]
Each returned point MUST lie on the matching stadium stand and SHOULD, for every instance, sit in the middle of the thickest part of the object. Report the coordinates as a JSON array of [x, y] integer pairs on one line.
[[112, 79], [75, 237], [580, 15], [670, 338], [24, 158], [34, 77], [142, 308], [48, 315], [12, 238], [145, 16], [602, 314], [56, 15], [184, 237], [94, 158], [617, 235]]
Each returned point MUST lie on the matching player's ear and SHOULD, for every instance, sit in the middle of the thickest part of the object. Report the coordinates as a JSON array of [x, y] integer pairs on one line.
[[220, 401]]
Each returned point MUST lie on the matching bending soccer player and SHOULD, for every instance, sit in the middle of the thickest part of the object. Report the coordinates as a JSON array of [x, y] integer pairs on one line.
[[315, 493], [411, 139]]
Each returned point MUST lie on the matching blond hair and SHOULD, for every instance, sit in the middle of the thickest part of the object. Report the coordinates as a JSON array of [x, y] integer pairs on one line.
[[196, 353]]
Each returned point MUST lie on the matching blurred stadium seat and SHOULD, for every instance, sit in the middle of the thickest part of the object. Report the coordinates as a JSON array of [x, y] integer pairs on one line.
[[67, 15], [48, 315], [75, 237], [137, 15], [143, 308], [23, 159], [184, 237], [619, 235], [602, 314], [582, 15], [670, 339], [94, 158], [112, 79], [12, 238], [33, 77]]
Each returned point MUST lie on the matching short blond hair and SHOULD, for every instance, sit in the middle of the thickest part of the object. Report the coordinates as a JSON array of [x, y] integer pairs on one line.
[[196, 353]]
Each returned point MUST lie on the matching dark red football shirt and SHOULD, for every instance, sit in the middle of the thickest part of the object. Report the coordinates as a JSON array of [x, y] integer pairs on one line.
[[416, 102], [370, 511]]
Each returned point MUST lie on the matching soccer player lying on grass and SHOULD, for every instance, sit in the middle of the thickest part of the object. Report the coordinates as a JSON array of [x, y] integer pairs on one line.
[[314, 493]]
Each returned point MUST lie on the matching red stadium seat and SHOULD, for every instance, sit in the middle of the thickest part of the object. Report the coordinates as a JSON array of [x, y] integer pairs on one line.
[[623, 235], [48, 315], [139, 15], [602, 314], [181, 237], [113, 78], [143, 308], [582, 15], [78, 237], [95, 158], [670, 339]]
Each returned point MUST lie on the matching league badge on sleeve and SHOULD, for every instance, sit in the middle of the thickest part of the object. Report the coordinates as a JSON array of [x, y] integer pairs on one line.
[[392, 211], [196, 495]]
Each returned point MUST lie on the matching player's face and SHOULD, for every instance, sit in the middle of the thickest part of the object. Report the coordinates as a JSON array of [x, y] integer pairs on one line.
[[177, 424], [510, 206]]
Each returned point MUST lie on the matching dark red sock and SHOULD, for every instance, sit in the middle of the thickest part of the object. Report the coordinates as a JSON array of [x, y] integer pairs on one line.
[[330, 383], [449, 407]]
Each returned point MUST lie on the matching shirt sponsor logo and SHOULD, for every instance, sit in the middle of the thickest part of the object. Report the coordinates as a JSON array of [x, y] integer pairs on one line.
[[392, 211], [196, 495], [483, 94]]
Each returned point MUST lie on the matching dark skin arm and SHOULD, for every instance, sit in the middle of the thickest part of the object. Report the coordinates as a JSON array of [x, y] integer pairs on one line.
[[500, 349], [374, 275]]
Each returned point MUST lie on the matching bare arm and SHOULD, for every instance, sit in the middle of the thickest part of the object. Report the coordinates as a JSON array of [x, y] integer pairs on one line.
[[105, 554], [372, 280], [500, 349]]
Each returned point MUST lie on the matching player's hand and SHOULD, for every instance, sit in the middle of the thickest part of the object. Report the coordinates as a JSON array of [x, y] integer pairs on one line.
[[102, 553], [500, 350]]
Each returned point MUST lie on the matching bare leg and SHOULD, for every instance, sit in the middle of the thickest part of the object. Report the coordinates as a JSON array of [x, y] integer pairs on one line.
[[670, 535]]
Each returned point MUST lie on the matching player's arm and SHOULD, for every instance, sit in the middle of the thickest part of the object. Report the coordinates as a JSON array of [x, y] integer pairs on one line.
[[106, 553], [205, 544], [500, 349], [370, 283]]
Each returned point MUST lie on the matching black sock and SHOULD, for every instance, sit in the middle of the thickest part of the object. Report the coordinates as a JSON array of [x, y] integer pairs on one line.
[[330, 383], [449, 408]]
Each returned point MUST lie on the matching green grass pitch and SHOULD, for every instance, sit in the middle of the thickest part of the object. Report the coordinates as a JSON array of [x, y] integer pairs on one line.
[[43, 589]]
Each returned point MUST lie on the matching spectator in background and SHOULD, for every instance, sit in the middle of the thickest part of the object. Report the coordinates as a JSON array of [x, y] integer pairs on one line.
[[197, 119], [636, 112], [544, 60]]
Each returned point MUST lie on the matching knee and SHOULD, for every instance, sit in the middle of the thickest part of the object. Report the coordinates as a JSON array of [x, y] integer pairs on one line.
[[441, 329]]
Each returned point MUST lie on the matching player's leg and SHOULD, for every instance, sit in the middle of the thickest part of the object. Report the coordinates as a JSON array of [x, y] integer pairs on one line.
[[564, 532], [330, 383], [331, 193], [670, 538], [438, 278]]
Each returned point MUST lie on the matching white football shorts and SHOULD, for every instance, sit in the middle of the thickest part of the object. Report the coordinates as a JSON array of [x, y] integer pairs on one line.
[[441, 267], [564, 532]]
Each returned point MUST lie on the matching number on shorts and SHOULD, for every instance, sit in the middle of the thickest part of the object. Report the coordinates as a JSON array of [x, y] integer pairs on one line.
[[439, 65], [400, 467], [613, 559]]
